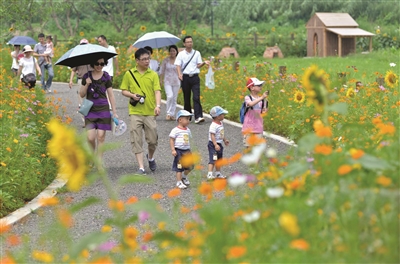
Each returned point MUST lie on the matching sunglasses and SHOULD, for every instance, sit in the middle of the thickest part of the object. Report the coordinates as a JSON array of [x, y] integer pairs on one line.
[[99, 64]]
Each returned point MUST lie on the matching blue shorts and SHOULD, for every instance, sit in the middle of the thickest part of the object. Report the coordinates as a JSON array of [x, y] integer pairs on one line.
[[177, 158], [212, 151]]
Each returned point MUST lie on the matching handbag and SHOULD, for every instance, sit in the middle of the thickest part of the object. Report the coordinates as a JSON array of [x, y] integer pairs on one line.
[[85, 107], [30, 78]]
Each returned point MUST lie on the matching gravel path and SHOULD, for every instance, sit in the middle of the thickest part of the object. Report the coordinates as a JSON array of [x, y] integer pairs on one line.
[[121, 162]]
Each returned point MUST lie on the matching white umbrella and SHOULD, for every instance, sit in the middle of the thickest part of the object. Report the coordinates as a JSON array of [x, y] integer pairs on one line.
[[156, 39]]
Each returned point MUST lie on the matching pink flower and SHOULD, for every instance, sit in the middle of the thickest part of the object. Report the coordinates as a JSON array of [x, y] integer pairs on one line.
[[143, 216]]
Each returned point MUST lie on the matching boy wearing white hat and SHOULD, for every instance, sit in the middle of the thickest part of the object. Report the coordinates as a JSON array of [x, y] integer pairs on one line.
[[180, 145], [216, 136], [257, 105]]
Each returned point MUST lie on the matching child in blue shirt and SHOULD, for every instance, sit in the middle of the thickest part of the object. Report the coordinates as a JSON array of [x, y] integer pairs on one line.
[[216, 137]]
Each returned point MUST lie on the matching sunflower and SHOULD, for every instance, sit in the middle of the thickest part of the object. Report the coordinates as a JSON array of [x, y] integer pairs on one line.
[[143, 28], [299, 97], [228, 34], [233, 34], [81, 34], [391, 79], [183, 32], [350, 93], [69, 154], [315, 81], [11, 29]]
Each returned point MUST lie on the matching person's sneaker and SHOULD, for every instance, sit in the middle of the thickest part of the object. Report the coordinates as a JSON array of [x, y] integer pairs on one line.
[[141, 172], [185, 181], [220, 176], [152, 163], [199, 120], [48, 91], [210, 177], [180, 185]]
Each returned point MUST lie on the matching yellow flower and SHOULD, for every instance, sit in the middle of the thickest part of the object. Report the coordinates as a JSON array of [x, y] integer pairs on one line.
[[106, 229], [228, 35], [81, 34], [299, 97], [177, 252], [350, 93], [11, 29], [42, 256], [130, 235], [143, 28], [233, 34], [273, 29], [208, 40], [70, 155], [183, 32], [315, 81], [289, 223], [378, 31], [391, 79], [3, 164]]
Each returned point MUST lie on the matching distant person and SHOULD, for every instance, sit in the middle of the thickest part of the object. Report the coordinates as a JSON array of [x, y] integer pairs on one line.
[[28, 65], [97, 87], [179, 142], [49, 49], [142, 86], [253, 121], [16, 54], [188, 64], [154, 65], [169, 78], [39, 50], [112, 61], [216, 136]]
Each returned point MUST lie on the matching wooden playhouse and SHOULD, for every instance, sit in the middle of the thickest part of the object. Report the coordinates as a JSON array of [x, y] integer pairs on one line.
[[333, 34]]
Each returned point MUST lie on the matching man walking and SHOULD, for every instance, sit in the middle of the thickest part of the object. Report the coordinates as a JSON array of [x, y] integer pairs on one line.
[[142, 86], [39, 52], [109, 68], [188, 63]]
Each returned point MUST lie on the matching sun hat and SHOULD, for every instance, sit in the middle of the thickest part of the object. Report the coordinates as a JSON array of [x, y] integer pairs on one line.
[[254, 81], [183, 113], [27, 48], [84, 41], [217, 110]]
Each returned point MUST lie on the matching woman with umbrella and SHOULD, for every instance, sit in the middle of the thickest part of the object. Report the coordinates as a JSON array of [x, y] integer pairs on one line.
[[97, 87]]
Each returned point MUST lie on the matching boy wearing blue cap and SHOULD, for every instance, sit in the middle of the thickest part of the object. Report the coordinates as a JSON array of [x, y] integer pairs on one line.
[[180, 145], [216, 136]]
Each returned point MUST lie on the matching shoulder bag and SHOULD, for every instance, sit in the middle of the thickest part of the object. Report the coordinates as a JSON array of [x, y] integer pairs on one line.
[[132, 101], [30, 78]]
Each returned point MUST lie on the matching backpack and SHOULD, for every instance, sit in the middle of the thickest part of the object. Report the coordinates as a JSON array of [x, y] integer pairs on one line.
[[244, 109]]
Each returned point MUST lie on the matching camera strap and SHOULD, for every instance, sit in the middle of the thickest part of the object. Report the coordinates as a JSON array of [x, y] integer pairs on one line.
[[133, 76]]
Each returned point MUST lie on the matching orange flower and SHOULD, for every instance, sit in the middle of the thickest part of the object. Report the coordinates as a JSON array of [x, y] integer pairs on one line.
[[205, 188], [132, 200], [300, 244], [356, 153], [13, 240], [147, 236], [4, 227], [222, 162], [323, 149], [65, 218], [117, 205], [174, 192], [386, 129], [255, 140], [235, 158], [49, 201], [344, 169], [190, 159], [384, 181], [102, 260], [236, 252], [219, 184], [157, 196], [324, 132], [185, 210]]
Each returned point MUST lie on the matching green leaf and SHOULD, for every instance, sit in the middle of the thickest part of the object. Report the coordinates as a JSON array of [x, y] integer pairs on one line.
[[308, 142], [294, 169], [131, 178], [85, 203], [90, 241], [151, 207], [164, 235], [373, 163], [340, 108]]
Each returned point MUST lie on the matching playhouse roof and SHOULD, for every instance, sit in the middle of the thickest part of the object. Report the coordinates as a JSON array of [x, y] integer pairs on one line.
[[351, 32], [337, 19]]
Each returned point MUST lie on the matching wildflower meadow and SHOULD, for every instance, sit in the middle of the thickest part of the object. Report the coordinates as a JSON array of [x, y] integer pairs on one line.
[[333, 198]]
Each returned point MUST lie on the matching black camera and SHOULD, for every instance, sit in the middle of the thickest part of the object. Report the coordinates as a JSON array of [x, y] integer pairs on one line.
[[133, 102]]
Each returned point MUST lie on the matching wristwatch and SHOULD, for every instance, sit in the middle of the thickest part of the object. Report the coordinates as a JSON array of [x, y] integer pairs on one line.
[[158, 106]]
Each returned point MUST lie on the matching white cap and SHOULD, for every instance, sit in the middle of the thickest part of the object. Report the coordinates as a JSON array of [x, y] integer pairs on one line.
[[254, 81]]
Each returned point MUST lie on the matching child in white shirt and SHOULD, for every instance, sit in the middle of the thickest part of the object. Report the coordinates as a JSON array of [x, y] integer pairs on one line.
[[216, 136], [49, 50]]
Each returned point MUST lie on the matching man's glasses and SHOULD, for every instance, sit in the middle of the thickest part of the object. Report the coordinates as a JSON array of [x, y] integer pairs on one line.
[[99, 64], [145, 59]]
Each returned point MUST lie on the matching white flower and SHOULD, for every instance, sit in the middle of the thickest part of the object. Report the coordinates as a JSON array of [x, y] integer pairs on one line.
[[254, 155], [271, 153], [392, 64], [237, 180], [275, 192], [251, 217]]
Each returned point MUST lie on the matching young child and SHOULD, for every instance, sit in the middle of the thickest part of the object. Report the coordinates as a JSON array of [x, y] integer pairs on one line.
[[253, 121], [216, 136], [49, 50], [180, 145]]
